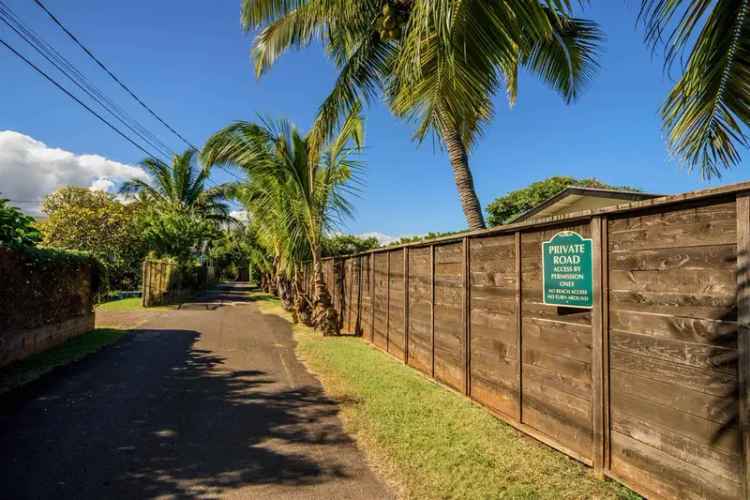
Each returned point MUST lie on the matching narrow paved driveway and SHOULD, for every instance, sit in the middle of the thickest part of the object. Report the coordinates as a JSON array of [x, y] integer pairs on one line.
[[203, 402]]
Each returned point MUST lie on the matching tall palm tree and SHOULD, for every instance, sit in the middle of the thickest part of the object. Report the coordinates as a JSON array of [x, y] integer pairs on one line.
[[706, 109], [301, 199], [438, 62], [180, 186]]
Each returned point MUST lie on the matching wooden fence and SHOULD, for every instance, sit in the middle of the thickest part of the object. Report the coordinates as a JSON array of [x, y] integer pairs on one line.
[[164, 282], [645, 387]]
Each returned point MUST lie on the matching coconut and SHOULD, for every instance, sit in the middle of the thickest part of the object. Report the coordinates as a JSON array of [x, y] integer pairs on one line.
[[389, 23], [387, 9]]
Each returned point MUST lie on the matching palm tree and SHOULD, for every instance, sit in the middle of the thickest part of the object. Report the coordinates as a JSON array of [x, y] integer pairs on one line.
[[181, 187], [297, 200], [704, 112], [438, 62]]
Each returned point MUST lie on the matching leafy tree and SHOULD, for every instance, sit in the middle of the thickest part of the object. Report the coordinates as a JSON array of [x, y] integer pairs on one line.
[[706, 109], [437, 62], [180, 234], [432, 235], [95, 222], [16, 228], [179, 187], [345, 244], [296, 195], [504, 208], [230, 252]]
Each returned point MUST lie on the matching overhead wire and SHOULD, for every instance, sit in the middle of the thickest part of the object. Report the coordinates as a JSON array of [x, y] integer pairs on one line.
[[75, 76], [119, 81], [74, 97], [51, 54]]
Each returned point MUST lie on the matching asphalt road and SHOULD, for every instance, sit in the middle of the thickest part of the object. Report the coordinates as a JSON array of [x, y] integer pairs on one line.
[[208, 401]]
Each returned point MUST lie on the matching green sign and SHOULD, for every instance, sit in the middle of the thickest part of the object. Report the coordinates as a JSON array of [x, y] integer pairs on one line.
[[566, 270]]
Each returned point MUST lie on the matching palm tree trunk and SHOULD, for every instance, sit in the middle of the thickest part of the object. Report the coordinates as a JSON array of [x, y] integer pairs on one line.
[[301, 305], [324, 315], [462, 175]]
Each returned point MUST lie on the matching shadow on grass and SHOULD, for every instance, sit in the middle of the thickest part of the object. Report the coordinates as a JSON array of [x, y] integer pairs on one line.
[[36, 366]]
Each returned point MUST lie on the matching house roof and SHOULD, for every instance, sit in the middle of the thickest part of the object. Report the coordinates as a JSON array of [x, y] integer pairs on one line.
[[575, 198]]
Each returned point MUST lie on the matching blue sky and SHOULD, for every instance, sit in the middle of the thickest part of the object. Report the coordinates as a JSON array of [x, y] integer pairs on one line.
[[190, 61]]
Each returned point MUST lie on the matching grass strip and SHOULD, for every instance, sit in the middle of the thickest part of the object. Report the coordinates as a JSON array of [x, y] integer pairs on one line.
[[22, 372], [128, 305], [430, 442]]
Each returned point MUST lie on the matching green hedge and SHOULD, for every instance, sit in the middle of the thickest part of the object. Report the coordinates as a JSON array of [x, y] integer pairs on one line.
[[40, 286]]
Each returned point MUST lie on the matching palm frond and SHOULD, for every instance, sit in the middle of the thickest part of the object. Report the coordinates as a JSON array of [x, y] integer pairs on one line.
[[705, 111]]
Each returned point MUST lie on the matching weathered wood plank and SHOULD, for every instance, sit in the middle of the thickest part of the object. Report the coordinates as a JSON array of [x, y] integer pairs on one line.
[[707, 381], [743, 338], [704, 356], [517, 243], [707, 433], [698, 330], [597, 333], [664, 474], [707, 458]]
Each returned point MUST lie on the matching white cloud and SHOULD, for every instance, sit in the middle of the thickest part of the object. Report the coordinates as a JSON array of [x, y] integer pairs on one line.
[[240, 215], [384, 239], [29, 170], [102, 184]]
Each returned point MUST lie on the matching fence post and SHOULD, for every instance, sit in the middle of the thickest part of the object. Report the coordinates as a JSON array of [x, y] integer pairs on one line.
[[406, 305], [432, 309], [360, 283], [372, 297], [144, 283], [519, 328], [599, 343], [743, 337], [388, 301], [466, 313]]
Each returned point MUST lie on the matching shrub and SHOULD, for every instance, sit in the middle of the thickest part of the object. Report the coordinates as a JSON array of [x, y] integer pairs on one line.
[[44, 285]]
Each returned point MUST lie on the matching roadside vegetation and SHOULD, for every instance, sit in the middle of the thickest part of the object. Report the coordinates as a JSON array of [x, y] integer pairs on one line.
[[297, 191], [38, 365], [429, 442], [504, 209], [129, 304]]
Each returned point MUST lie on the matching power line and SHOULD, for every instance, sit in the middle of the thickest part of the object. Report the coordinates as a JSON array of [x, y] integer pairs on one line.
[[57, 60], [76, 99], [110, 73], [121, 84]]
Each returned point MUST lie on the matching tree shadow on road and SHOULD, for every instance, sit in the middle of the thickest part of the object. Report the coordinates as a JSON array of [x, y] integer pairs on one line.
[[157, 416], [238, 434]]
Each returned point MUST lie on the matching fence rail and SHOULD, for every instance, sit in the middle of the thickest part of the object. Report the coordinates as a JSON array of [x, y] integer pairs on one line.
[[649, 386]]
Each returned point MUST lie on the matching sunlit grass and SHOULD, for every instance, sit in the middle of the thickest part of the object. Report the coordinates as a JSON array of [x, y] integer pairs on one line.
[[129, 304], [431, 442]]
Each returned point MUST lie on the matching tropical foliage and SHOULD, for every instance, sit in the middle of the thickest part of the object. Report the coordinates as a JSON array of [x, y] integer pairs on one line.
[[504, 209], [181, 215], [230, 252], [16, 228], [432, 235], [436, 62], [97, 223], [346, 244], [295, 196], [706, 110], [180, 187], [177, 234]]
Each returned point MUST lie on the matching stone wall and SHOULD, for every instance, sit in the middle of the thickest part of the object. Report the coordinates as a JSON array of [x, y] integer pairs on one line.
[[19, 344], [46, 297]]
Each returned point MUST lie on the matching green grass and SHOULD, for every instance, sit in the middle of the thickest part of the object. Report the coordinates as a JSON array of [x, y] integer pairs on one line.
[[32, 368], [129, 304], [430, 442]]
